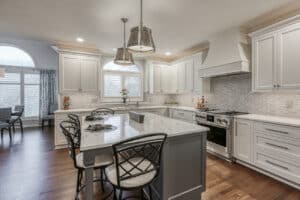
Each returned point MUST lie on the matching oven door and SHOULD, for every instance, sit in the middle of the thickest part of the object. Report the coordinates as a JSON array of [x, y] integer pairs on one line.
[[217, 135]]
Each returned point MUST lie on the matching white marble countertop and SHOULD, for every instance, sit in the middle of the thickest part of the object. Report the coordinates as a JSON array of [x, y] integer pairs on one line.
[[130, 107], [271, 119], [126, 128]]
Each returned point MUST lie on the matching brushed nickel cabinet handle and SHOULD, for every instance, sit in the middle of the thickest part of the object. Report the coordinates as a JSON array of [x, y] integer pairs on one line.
[[278, 146], [277, 165], [277, 131]]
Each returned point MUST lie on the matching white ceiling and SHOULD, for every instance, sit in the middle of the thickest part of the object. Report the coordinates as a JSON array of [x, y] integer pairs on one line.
[[176, 24]]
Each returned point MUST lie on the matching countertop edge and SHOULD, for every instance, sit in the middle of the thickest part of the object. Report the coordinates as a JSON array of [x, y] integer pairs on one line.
[[289, 121]]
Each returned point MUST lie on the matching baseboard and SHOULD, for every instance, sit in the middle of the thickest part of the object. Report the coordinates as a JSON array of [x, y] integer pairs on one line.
[[278, 178]]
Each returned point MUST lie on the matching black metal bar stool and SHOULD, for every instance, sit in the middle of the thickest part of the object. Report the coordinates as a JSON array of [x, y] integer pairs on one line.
[[137, 163], [71, 132]]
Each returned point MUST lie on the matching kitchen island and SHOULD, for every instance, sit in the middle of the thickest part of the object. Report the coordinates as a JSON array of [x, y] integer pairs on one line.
[[184, 156]]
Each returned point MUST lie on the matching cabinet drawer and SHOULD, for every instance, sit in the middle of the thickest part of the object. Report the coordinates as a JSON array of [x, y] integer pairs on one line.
[[287, 170], [277, 146], [277, 130]]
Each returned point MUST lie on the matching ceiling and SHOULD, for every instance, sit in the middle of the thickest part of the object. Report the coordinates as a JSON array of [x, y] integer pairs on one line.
[[176, 24]]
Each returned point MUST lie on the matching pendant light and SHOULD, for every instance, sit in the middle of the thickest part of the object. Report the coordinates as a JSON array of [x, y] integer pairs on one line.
[[123, 56], [140, 40], [2, 72]]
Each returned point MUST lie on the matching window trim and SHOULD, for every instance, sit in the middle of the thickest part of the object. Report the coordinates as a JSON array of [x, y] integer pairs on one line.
[[122, 74], [18, 47]]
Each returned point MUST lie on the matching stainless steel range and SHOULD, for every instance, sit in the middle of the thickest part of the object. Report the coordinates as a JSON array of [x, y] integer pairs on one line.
[[220, 136]]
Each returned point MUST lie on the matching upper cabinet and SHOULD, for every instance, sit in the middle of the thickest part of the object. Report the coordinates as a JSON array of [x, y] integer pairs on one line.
[[275, 58], [78, 73], [180, 77]]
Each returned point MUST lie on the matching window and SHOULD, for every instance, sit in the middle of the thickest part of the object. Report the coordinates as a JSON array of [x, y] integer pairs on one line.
[[10, 90], [31, 94], [21, 85], [12, 56], [117, 77]]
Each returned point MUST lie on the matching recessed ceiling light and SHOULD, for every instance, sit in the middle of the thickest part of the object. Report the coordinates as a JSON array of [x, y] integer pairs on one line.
[[168, 53], [79, 39]]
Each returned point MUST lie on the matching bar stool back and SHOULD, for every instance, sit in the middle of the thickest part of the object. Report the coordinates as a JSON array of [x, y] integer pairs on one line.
[[137, 162]]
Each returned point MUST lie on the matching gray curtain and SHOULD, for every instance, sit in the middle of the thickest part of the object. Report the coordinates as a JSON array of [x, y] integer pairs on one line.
[[48, 92]]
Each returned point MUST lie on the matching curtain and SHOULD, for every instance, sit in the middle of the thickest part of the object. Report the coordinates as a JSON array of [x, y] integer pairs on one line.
[[48, 92]]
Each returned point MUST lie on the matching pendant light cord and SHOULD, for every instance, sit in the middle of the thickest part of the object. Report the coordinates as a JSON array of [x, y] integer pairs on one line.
[[124, 35], [141, 24]]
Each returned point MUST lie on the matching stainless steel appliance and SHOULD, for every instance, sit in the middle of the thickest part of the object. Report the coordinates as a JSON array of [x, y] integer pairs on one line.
[[220, 136]]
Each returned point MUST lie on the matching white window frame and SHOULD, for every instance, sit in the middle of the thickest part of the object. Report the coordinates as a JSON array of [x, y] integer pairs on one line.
[[123, 74], [21, 70]]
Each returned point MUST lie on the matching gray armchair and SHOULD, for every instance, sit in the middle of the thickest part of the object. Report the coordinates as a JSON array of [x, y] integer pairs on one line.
[[16, 117]]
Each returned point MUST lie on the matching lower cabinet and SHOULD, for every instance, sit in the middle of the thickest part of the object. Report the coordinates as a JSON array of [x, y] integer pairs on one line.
[[270, 148], [243, 140]]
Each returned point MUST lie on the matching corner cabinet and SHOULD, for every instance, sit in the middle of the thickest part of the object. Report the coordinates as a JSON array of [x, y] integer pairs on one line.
[[275, 58], [78, 73]]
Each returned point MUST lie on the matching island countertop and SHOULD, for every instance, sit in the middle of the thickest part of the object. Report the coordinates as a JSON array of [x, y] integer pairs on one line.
[[125, 128]]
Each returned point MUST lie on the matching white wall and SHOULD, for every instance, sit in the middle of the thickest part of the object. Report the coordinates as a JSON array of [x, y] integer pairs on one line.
[[41, 52]]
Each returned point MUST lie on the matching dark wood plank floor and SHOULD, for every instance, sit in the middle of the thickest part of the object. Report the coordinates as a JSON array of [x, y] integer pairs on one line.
[[31, 169]]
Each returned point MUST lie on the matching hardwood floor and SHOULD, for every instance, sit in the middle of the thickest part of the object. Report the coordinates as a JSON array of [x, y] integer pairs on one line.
[[30, 169]]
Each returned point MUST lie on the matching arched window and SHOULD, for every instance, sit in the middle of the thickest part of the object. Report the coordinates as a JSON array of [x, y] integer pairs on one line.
[[13, 56], [118, 77], [21, 83]]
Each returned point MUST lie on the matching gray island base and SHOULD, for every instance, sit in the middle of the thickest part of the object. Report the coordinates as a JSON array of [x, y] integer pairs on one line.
[[183, 172]]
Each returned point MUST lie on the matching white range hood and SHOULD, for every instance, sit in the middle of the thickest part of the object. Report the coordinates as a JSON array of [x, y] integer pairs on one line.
[[228, 54]]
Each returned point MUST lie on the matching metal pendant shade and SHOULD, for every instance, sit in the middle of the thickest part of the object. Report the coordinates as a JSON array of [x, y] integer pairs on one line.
[[123, 56], [141, 40]]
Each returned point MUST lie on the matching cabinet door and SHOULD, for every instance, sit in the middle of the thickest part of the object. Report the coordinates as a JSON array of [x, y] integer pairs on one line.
[[289, 59], [189, 80], [173, 79], [89, 74], [197, 80], [169, 79], [243, 140], [156, 79], [69, 73], [264, 62], [181, 77]]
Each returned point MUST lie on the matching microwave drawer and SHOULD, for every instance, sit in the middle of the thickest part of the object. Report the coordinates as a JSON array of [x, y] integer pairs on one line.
[[287, 170], [277, 130]]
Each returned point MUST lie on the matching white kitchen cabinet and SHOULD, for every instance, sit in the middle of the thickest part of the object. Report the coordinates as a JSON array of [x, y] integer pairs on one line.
[[289, 59], [275, 58], [89, 74], [69, 73], [78, 73], [243, 140], [181, 84], [189, 78], [179, 77], [169, 79], [264, 65], [271, 147]]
